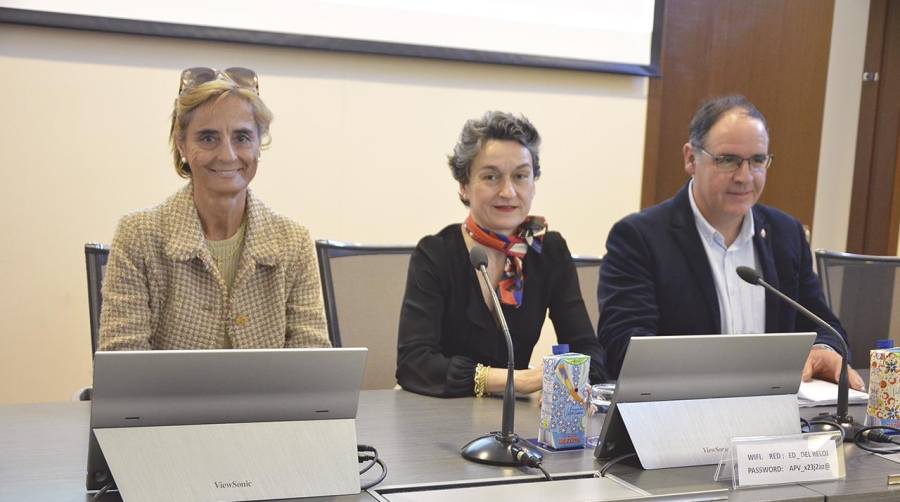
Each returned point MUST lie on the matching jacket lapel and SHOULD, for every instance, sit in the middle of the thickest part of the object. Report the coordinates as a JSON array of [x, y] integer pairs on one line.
[[684, 232], [185, 240], [762, 243], [184, 235], [261, 243], [477, 311]]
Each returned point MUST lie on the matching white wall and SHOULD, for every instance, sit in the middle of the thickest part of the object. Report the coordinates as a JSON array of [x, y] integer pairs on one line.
[[358, 153], [839, 124]]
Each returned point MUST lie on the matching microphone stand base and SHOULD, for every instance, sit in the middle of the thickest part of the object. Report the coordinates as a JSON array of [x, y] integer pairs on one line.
[[494, 449], [849, 427]]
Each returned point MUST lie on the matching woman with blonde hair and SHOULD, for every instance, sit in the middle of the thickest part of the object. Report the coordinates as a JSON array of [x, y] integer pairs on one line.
[[212, 266]]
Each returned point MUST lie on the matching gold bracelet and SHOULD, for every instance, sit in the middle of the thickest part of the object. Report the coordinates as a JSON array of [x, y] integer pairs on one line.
[[481, 372]]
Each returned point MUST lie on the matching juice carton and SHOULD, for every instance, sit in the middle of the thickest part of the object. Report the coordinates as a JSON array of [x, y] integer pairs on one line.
[[884, 388], [565, 399]]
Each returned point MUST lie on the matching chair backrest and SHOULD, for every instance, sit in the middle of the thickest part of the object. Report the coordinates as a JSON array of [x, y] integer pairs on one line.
[[363, 288], [95, 256], [588, 268], [864, 292]]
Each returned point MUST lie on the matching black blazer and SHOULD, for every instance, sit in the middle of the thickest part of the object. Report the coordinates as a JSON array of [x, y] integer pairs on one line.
[[446, 328], [656, 278]]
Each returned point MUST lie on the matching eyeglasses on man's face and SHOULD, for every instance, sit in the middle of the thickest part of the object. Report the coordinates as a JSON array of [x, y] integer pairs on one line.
[[729, 163]]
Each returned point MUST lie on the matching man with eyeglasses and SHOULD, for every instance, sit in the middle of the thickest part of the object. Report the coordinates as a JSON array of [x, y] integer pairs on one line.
[[670, 269]]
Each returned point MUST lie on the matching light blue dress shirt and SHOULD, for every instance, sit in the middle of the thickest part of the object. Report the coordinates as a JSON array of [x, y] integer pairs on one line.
[[742, 306]]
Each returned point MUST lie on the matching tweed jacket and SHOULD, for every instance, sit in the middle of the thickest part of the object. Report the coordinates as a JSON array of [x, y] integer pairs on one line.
[[162, 289]]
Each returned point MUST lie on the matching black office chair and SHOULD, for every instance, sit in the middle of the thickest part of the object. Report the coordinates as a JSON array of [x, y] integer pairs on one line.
[[588, 269], [95, 256], [363, 290], [863, 292]]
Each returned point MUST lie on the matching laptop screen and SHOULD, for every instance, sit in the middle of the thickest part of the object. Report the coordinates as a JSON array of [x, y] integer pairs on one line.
[[189, 387], [669, 368]]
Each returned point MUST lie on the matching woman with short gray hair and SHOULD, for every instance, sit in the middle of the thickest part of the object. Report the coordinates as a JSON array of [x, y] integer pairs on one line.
[[449, 344]]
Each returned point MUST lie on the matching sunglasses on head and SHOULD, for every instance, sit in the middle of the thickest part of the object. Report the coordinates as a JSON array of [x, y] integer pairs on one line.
[[243, 77]]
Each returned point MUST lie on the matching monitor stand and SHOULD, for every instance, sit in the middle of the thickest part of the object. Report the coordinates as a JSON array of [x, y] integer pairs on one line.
[[231, 462]]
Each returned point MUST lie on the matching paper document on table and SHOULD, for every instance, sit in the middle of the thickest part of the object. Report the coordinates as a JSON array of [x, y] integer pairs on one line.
[[822, 393], [893, 457]]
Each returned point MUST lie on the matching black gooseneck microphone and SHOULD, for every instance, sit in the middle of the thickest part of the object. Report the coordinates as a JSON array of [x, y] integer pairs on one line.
[[504, 447], [842, 414]]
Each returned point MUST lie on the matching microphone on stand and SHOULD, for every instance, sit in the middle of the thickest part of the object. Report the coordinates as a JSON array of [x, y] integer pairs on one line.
[[842, 414], [504, 447]]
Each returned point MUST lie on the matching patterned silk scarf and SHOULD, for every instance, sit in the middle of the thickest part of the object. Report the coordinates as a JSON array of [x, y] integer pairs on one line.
[[529, 234]]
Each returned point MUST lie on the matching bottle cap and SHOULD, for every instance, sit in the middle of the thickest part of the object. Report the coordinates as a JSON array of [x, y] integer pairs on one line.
[[885, 343], [562, 348]]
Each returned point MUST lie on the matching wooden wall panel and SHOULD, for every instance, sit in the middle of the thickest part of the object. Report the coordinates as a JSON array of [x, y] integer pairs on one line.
[[775, 52]]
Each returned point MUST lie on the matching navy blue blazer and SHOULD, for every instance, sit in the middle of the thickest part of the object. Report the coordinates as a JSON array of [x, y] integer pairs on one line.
[[656, 278]]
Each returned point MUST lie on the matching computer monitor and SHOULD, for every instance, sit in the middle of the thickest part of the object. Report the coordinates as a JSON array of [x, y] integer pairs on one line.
[[190, 387], [669, 368]]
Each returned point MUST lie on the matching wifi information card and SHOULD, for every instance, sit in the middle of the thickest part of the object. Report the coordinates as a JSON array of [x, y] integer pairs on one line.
[[787, 459]]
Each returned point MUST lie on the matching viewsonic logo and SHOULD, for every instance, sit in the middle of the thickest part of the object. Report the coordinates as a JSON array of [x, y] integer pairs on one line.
[[233, 484]]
